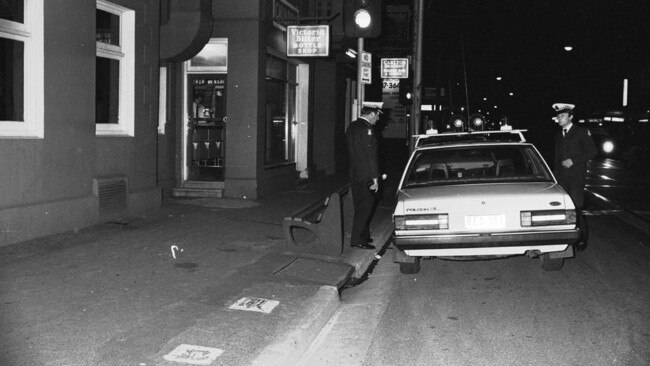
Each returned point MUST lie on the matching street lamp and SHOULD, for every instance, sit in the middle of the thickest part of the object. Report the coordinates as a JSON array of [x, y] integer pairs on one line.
[[458, 122], [498, 78], [477, 121], [568, 48]]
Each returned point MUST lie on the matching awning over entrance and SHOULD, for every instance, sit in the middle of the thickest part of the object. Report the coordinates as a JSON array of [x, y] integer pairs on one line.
[[186, 26]]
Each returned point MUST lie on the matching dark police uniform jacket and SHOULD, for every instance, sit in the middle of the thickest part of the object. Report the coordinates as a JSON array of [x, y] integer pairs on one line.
[[577, 145], [362, 151]]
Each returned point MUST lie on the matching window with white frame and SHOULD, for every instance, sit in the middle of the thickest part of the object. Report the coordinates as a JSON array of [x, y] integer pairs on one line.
[[115, 70], [21, 69]]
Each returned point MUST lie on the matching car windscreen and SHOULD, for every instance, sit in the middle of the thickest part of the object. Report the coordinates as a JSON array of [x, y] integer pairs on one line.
[[476, 164]]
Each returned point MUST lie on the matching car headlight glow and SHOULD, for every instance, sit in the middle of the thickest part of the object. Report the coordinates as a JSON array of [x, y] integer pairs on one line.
[[422, 222], [608, 146], [548, 217]]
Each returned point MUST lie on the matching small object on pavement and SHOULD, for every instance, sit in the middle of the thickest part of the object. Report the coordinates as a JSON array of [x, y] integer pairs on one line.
[[174, 248], [363, 246]]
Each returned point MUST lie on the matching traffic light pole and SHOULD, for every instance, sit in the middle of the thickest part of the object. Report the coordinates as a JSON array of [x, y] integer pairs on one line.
[[360, 89]]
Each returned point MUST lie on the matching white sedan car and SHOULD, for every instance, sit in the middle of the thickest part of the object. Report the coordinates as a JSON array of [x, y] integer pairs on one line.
[[481, 195]]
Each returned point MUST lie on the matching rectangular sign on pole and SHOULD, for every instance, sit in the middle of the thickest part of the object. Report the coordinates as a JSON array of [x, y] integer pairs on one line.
[[366, 68], [394, 68], [308, 40]]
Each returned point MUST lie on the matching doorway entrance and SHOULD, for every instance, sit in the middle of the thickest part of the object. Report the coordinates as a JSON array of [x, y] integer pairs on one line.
[[206, 133]]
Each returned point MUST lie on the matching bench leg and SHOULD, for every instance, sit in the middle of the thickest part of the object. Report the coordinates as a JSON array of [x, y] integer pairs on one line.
[[330, 228]]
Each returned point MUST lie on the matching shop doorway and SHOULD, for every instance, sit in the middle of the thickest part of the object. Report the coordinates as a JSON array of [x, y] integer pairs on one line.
[[205, 142]]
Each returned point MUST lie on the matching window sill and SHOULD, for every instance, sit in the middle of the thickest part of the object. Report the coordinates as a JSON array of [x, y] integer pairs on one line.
[[278, 165], [113, 134]]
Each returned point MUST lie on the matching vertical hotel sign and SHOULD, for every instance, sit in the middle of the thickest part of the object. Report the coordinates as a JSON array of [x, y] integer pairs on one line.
[[308, 40], [284, 14]]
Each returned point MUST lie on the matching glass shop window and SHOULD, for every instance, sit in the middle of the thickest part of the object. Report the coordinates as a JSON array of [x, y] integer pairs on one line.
[[12, 83], [13, 10], [108, 27], [280, 111], [21, 68], [107, 96], [115, 69]]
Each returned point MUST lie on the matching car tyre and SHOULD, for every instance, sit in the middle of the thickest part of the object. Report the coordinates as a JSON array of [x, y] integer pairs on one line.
[[551, 264], [410, 267]]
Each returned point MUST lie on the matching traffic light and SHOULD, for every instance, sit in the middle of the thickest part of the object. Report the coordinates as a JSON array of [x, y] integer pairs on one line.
[[405, 92], [362, 18]]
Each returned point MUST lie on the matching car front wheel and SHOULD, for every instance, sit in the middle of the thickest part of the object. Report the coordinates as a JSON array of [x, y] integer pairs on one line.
[[551, 264], [410, 267]]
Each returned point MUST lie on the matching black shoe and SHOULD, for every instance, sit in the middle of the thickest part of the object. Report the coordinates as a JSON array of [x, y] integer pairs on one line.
[[363, 246], [581, 246]]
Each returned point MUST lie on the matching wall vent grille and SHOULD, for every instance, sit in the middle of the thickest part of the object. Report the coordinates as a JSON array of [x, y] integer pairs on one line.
[[112, 195]]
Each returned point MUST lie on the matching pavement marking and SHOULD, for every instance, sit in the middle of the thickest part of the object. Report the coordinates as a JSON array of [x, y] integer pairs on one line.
[[255, 304], [193, 355]]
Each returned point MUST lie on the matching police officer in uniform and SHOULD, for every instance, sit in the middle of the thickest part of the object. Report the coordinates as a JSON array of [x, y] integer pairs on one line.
[[364, 171], [574, 147]]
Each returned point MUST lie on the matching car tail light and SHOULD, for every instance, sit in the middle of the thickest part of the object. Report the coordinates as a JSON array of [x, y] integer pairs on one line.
[[422, 222], [548, 217]]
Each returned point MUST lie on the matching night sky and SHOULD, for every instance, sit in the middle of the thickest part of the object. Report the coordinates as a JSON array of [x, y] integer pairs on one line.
[[523, 42]]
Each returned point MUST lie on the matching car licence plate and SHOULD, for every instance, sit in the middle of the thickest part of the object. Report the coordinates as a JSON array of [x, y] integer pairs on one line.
[[485, 222]]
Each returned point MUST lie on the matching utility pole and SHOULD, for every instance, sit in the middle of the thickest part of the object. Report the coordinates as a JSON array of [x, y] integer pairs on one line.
[[462, 45], [418, 8], [360, 89]]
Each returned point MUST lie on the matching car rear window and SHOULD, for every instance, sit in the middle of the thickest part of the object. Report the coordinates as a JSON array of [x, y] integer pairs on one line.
[[476, 164]]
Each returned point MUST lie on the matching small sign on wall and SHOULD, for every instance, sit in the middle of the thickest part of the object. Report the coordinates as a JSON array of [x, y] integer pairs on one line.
[[308, 40]]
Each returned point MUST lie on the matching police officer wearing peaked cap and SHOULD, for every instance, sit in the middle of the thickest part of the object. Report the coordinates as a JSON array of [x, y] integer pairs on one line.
[[574, 147], [364, 171]]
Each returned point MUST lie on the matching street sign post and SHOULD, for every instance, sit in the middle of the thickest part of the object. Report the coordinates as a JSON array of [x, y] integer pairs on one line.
[[366, 68]]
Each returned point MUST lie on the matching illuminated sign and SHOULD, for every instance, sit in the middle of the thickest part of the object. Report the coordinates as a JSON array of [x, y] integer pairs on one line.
[[308, 40], [394, 68]]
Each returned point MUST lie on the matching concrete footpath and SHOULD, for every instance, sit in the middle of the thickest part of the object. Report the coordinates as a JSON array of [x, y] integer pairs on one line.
[[201, 281]]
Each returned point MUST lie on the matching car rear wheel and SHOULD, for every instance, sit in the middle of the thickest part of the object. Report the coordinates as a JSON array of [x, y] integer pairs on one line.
[[551, 264], [410, 267]]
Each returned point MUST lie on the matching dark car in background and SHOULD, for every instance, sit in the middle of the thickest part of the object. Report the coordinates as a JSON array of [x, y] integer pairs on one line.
[[612, 132]]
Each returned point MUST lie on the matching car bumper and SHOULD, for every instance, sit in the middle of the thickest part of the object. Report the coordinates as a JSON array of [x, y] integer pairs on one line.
[[487, 240]]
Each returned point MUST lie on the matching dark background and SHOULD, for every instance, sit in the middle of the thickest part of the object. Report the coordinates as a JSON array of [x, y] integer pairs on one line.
[[474, 41]]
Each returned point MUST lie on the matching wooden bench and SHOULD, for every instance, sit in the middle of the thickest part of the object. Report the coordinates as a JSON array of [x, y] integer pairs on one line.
[[320, 227]]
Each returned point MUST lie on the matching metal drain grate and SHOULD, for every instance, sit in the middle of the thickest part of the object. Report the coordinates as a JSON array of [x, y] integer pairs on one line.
[[112, 194], [314, 270]]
